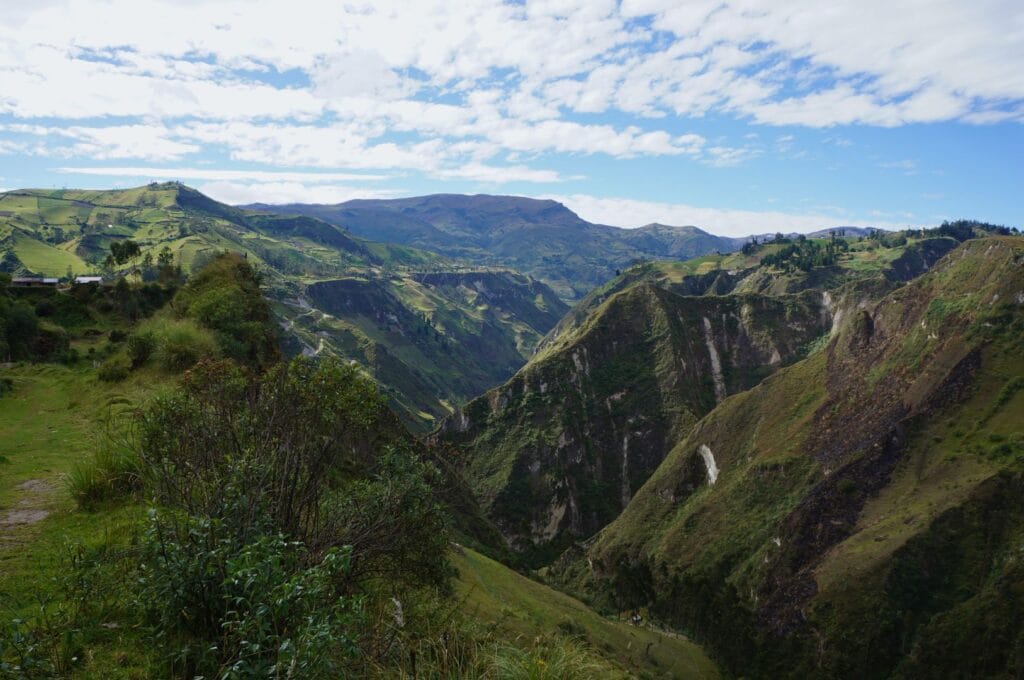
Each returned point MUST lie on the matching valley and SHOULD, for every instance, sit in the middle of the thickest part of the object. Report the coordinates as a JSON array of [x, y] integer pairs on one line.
[[711, 466]]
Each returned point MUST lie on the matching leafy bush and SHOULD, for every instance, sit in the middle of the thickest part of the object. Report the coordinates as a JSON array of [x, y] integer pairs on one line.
[[224, 296], [115, 368], [270, 608], [288, 498], [19, 327], [50, 340]]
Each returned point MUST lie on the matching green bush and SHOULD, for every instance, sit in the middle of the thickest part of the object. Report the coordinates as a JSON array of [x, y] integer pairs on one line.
[[261, 608], [115, 368], [183, 344], [50, 340], [224, 296], [563, 659], [140, 346], [297, 505]]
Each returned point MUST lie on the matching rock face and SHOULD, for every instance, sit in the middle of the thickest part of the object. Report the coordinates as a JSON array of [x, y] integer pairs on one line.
[[859, 515], [560, 449]]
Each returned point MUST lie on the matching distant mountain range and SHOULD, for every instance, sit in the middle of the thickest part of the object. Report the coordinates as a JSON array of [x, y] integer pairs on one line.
[[541, 238]]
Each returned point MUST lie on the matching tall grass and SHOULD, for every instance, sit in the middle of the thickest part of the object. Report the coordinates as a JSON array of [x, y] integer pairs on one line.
[[174, 344], [113, 473]]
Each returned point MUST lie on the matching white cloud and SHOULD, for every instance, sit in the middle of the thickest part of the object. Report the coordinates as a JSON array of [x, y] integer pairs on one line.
[[485, 90], [625, 212], [221, 175], [239, 193]]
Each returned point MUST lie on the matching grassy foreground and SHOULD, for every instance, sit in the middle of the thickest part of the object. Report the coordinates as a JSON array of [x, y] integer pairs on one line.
[[55, 417]]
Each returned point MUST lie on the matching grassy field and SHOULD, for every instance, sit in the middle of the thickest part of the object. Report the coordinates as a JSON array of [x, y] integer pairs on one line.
[[54, 418], [42, 257]]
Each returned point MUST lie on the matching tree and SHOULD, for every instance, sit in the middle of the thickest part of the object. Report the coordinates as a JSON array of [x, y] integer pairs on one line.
[[124, 251]]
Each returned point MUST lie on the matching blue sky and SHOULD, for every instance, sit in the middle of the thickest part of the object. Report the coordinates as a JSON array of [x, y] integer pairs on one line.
[[736, 116]]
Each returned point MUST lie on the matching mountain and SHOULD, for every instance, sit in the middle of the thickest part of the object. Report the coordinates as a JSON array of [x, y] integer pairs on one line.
[[559, 450], [857, 513], [541, 238], [433, 332]]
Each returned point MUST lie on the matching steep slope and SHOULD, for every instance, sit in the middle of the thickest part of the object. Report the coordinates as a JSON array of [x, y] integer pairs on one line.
[[856, 514], [541, 238], [433, 332], [518, 607], [558, 451]]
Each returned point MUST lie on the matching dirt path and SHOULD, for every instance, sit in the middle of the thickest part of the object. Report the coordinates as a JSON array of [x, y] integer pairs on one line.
[[34, 504]]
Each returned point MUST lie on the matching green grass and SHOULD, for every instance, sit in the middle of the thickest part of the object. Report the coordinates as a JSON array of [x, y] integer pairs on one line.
[[53, 420], [42, 258], [525, 609]]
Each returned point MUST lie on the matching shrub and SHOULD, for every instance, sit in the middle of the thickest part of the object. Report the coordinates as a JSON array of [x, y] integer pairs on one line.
[[44, 308], [847, 486], [117, 335], [288, 499], [180, 344], [115, 368], [140, 347], [224, 296], [258, 608], [558, 660], [50, 341]]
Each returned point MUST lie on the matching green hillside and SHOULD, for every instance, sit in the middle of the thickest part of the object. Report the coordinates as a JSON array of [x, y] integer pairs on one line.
[[449, 332], [851, 516], [894, 259], [519, 607]]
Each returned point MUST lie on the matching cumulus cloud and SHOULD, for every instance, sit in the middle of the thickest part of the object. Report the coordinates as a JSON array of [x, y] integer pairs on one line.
[[221, 175], [487, 90]]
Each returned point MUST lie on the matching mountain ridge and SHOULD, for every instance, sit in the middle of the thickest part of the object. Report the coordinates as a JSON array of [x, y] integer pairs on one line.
[[541, 237]]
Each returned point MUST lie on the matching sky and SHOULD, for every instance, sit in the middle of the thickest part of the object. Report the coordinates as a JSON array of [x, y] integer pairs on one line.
[[738, 117]]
